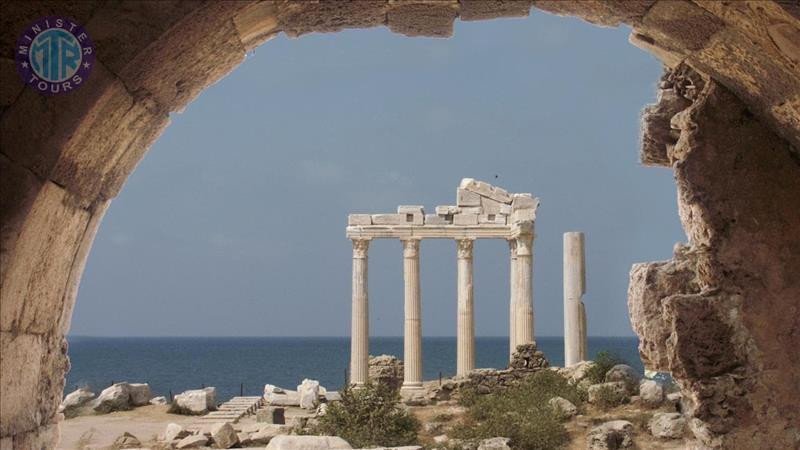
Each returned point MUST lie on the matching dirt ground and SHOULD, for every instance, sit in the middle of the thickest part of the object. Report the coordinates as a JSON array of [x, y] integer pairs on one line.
[[97, 432]]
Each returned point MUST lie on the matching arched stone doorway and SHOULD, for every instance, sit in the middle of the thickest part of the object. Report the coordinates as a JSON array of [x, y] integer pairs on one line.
[[722, 316]]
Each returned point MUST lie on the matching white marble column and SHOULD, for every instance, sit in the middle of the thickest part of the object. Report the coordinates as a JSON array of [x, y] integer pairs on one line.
[[465, 342], [523, 289], [359, 333], [574, 288], [412, 337], [512, 269]]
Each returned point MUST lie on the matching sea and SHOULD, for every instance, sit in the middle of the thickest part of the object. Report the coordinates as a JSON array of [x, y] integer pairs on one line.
[[243, 365]]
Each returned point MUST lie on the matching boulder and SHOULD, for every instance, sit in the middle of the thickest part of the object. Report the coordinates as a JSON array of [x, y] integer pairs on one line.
[[74, 402], [126, 440], [193, 441], [224, 435], [175, 431], [264, 434], [271, 414], [160, 400], [564, 407], [625, 374], [195, 402], [113, 398], [308, 392], [386, 369], [286, 442], [617, 434], [668, 425], [618, 387], [496, 443], [575, 372], [140, 394], [651, 392]]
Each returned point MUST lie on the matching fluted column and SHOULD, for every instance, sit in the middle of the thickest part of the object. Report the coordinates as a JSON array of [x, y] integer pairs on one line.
[[574, 288], [359, 333], [512, 269], [523, 326], [465, 332], [412, 337]]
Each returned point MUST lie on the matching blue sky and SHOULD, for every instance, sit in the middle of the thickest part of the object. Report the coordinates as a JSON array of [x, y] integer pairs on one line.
[[233, 224]]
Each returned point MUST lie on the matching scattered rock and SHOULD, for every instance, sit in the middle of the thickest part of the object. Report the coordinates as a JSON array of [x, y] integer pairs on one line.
[[271, 414], [527, 357], [246, 441], [618, 387], [126, 440], [626, 374], [496, 443], [113, 398], [265, 434], [322, 409], [195, 402], [564, 407], [74, 402], [193, 441], [224, 435], [270, 389], [160, 400], [575, 372], [432, 427], [617, 434], [386, 369], [668, 425], [283, 398], [286, 442], [175, 431], [140, 393], [308, 392], [651, 392], [441, 439], [676, 400]]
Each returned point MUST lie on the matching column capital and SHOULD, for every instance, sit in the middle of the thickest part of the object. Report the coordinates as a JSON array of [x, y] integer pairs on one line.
[[523, 245], [410, 248], [360, 248], [465, 248]]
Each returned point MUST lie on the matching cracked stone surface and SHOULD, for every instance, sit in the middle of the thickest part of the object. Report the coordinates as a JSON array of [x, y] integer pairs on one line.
[[722, 315]]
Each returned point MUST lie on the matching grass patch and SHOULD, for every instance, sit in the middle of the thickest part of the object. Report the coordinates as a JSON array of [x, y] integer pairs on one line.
[[521, 413], [607, 397], [369, 416]]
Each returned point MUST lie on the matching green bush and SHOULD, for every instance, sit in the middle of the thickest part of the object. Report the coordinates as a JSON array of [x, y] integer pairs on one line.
[[608, 397], [369, 416], [521, 413], [603, 362]]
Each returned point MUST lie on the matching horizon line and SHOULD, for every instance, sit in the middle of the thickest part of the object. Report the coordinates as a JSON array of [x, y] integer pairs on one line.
[[316, 337]]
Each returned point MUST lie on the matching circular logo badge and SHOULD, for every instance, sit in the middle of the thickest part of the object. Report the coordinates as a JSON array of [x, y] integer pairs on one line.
[[54, 55]]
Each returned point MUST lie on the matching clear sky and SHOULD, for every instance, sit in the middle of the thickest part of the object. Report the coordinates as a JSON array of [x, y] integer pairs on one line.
[[233, 224]]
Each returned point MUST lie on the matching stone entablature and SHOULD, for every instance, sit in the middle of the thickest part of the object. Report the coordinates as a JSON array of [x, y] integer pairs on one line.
[[482, 211]]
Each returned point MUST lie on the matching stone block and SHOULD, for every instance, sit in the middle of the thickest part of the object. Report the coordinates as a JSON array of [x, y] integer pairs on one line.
[[271, 415], [486, 190], [388, 219], [465, 219], [359, 219], [490, 206], [491, 219], [410, 209], [523, 215], [434, 219], [505, 209], [524, 201], [470, 210], [445, 210], [467, 198]]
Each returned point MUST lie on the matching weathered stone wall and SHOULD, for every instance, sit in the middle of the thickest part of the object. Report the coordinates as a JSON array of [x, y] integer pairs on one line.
[[64, 157], [722, 316]]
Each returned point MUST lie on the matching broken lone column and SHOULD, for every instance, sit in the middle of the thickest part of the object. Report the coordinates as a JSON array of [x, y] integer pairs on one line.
[[574, 288]]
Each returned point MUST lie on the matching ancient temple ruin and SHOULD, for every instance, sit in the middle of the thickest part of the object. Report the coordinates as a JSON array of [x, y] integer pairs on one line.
[[482, 211], [575, 340]]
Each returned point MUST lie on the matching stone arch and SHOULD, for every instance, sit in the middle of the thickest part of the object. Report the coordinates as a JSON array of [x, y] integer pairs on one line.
[[733, 294]]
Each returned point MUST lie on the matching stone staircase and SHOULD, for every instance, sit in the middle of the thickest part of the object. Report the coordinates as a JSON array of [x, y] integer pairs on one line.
[[230, 411]]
